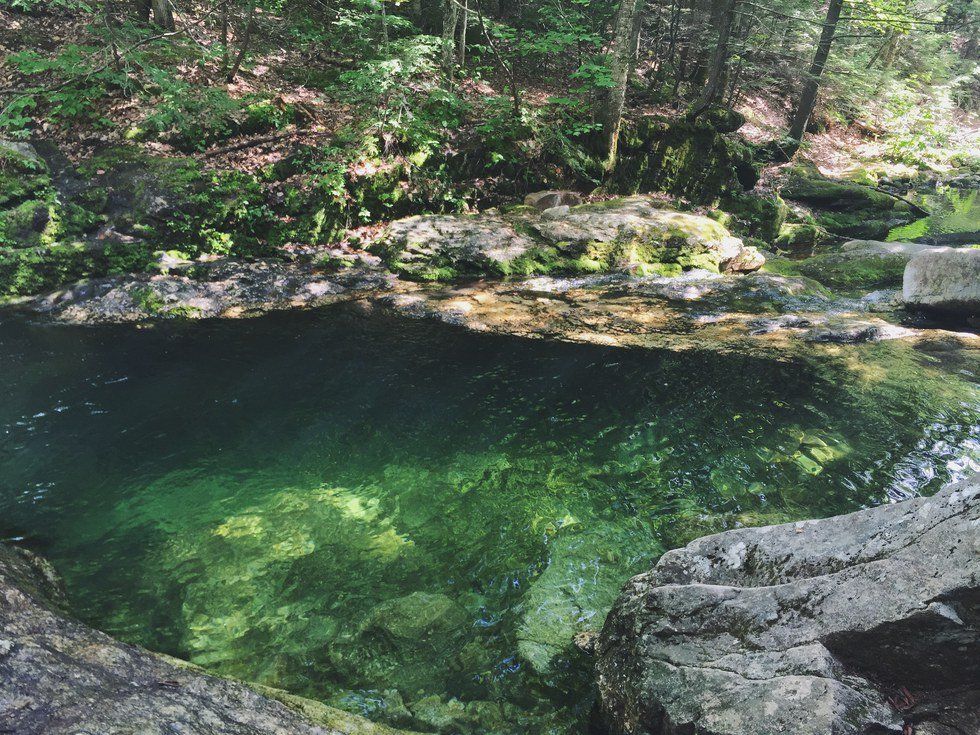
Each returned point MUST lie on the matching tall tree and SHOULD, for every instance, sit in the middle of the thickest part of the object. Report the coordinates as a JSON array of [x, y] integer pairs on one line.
[[811, 84], [450, 19], [622, 57], [723, 13]]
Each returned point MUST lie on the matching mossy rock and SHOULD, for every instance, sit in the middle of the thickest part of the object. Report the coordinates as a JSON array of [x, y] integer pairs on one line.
[[722, 119], [23, 174], [755, 215], [856, 270], [682, 158], [843, 207], [794, 235]]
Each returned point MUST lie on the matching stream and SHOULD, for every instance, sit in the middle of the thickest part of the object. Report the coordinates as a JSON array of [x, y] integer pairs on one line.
[[410, 521]]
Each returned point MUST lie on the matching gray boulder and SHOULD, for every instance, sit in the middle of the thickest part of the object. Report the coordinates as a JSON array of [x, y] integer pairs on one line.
[[946, 279], [632, 234], [866, 622], [60, 677], [542, 200]]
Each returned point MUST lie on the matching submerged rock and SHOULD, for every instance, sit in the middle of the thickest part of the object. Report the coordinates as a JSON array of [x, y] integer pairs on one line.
[[944, 279], [60, 677], [576, 590], [416, 618], [851, 624]]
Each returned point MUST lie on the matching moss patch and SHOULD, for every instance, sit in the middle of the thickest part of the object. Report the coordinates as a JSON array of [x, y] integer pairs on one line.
[[843, 270], [686, 159]]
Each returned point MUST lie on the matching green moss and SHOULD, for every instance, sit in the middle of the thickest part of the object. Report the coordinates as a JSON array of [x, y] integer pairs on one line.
[[843, 207], [843, 271], [150, 302], [795, 235], [682, 158], [543, 259], [862, 224], [782, 266], [752, 215]]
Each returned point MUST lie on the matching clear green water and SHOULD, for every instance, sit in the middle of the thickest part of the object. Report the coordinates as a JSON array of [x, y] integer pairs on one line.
[[341, 505], [951, 211]]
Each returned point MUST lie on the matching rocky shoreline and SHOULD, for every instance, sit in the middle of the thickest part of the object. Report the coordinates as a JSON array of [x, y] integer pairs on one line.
[[622, 272], [866, 622]]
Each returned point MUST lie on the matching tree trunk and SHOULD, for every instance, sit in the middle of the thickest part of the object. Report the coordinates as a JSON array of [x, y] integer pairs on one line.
[[243, 47], [621, 59], [162, 15], [461, 44], [225, 56], [808, 97], [715, 87], [142, 11], [515, 90], [450, 17]]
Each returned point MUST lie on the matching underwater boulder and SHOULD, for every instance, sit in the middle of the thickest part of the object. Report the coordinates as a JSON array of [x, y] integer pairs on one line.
[[416, 619], [575, 591], [61, 677]]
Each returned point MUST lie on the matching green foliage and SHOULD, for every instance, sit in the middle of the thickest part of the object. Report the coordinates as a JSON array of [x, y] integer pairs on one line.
[[30, 6], [190, 115], [84, 84]]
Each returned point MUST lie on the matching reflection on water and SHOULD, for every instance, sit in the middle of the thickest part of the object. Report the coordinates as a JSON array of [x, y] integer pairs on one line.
[[410, 521]]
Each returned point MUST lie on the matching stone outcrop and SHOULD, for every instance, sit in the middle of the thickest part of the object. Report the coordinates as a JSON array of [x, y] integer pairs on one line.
[[695, 160], [945, 279], [227, 289], [542, 200], [633, 234], [843, 207], [866, 622], [58, 676]]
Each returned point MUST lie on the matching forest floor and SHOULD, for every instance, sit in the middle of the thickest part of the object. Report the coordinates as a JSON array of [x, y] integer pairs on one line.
[[291, 75]]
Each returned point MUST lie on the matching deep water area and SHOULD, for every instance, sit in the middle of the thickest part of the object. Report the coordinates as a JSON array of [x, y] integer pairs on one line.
[[409, 520]]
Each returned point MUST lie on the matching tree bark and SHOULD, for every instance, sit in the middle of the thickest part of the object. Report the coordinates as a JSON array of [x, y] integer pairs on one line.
[[450, 17], [142, 10], [715, 87], [622, 57], [225, 56], [162, 15], [515, 90], [808, 97], [461, 44]]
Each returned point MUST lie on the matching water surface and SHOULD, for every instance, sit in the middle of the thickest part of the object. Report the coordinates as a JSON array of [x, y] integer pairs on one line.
[[348, 506]]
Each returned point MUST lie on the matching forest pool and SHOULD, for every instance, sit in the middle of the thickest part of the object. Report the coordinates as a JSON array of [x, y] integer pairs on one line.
[[379, 513]]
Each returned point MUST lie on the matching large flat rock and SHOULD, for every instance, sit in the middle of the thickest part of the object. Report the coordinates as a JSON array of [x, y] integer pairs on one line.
[[860, 623]]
